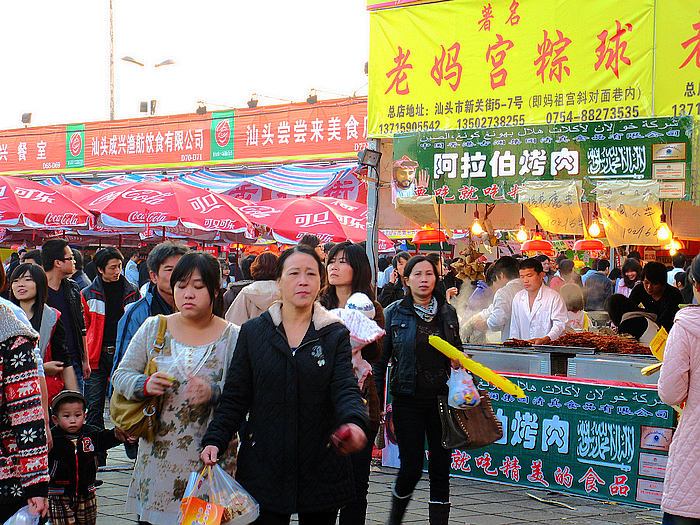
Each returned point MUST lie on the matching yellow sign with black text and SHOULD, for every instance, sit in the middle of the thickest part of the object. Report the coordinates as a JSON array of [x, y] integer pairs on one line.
[[469, 64]]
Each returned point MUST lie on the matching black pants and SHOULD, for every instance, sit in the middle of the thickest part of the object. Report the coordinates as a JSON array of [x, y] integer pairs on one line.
[[7, 510], [412, 423], [305, 518], [96, 388], [672, 519], [354, 513]]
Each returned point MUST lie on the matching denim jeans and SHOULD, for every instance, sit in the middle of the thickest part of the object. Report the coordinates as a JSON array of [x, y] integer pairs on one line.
[[671, 519], [78, 368], [96, 391], [412, 424]]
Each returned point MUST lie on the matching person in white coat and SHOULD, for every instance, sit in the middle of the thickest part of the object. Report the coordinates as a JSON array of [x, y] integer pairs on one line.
[[680, 381], [538, 314], [496, 318]]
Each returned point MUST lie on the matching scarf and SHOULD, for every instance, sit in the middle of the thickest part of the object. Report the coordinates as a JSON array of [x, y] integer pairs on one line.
[[427, 313]]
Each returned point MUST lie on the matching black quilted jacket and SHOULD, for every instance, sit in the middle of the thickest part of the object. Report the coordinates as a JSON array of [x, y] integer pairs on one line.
[[295, 402]]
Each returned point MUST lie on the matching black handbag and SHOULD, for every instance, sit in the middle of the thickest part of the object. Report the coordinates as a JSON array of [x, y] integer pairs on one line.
[[469, 428]]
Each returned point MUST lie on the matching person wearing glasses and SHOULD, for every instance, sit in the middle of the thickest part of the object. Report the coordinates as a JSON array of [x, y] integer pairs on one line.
[[64, 296]]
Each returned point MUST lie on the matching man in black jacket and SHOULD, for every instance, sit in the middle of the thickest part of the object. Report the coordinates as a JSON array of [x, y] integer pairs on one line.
[[394, 289], [64, 296]]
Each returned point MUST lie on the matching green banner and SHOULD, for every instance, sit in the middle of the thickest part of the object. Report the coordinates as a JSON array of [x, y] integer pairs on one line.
[[489, 165], [75, 146], [607, 442], [222, 135]]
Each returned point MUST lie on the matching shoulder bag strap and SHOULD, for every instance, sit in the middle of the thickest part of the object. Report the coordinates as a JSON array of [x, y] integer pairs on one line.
[[160, 336]]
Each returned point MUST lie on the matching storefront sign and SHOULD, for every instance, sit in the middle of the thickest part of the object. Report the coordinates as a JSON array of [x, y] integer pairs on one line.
[[325, 130], [478, 165], [573, 437], [463, 64]]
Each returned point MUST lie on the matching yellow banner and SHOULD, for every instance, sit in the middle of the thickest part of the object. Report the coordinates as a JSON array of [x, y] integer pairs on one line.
[[630, 212], [677, 73], [467, 63], [373, 5], [555, 204]]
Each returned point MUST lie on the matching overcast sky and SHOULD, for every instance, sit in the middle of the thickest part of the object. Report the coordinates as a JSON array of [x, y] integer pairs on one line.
[[55, 55]]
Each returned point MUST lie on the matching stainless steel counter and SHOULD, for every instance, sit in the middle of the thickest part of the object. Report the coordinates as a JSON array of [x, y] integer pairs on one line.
[[613, 367]]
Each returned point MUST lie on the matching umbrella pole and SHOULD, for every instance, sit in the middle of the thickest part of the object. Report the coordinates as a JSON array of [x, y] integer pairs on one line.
[[163, 233], [120, 242]]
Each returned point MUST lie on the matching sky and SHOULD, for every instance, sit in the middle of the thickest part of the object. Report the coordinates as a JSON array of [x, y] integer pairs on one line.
[[55, 55]]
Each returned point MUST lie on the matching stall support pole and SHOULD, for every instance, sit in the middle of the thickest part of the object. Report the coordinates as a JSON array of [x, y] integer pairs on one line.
[[372, 248]]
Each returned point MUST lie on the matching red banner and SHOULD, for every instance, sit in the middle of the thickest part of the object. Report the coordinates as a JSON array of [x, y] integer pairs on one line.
[[37, 149], [333, 129]]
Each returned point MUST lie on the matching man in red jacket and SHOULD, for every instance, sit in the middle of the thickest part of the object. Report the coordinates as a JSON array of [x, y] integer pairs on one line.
[[106, 298]]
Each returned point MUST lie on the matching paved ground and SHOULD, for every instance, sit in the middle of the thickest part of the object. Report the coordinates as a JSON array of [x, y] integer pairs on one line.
[[473, 502]]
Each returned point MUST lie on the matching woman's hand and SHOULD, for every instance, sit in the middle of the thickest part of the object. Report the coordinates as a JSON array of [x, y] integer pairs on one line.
[[210, 455], [53, 367], [450, 293], [197, 392], [38, 505], [158, 383], [348, 438]]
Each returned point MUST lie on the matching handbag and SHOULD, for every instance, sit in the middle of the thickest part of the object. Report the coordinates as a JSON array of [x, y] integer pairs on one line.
[[469, 428], [140, 418]]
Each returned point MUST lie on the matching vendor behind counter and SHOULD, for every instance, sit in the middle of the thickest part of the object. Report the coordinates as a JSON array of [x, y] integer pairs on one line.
[[656, 296], [631, 319]]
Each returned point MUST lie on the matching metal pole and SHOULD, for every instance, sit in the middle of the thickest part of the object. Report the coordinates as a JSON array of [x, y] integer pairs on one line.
[[372, 248], [111, 60]]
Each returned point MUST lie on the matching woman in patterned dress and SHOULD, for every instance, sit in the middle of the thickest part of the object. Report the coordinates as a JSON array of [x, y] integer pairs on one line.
[[202, 344]]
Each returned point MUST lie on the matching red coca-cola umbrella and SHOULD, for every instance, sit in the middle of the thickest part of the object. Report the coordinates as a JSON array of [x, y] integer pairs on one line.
[[73, 192], [332, 220], [28, 204], [141, 205]]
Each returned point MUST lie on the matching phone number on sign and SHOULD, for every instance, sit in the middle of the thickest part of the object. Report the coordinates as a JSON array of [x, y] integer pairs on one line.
[[593, 114], [404, 127]]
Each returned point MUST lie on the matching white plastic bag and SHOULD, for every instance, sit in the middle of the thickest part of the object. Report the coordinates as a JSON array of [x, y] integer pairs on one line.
[[463, 393], [23, 517]]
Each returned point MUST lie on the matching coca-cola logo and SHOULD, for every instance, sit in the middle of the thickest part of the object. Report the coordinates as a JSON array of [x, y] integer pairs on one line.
[[222, 133], [258, 212], [220, 224], [147, 196], [63, 219], [150, 218], [75, 144]]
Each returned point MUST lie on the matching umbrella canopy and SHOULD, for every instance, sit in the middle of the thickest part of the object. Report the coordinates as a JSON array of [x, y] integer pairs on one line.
[[28, 204], [143, 205], [73, 192], [332, 220]]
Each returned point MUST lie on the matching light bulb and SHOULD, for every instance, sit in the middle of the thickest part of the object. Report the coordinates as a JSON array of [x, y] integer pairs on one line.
[[522, 235], [664, 233], [594, 229], [476, 228], [672, 251]]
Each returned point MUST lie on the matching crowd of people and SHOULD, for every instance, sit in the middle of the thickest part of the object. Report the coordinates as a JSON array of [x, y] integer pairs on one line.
[[259, 356]]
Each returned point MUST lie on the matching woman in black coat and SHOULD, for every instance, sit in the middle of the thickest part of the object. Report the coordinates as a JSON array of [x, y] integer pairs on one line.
[[291, 373], [419, 374]]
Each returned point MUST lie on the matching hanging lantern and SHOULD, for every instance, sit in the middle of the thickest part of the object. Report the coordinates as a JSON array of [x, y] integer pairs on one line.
[[537, 243], [522, 233], [664, 232], [589, 245], [428, 236]]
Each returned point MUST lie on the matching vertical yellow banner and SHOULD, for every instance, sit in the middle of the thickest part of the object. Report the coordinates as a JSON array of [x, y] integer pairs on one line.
[[630, 212], [555, 204]]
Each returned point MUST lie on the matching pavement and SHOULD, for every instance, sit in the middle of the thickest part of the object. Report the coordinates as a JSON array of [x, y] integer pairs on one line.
[[473, 502]]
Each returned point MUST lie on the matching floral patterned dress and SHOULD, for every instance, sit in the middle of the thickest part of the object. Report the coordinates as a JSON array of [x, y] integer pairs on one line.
[[164, 465]]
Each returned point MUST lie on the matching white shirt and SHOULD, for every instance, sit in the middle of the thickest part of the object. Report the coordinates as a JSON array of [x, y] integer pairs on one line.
[[671, 275], [548, 316], [499, 313]]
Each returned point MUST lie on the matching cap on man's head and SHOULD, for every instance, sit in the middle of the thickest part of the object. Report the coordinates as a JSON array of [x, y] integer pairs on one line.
[[67, 395], [405, 162]]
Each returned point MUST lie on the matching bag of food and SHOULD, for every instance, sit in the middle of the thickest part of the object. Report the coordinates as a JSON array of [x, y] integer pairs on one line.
[[23, 517], [239, 507], [463, 393], [199, 510]]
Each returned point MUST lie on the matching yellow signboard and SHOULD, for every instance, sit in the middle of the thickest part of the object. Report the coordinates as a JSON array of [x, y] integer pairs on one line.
[[677, 72], [373, 5], [466, 63]]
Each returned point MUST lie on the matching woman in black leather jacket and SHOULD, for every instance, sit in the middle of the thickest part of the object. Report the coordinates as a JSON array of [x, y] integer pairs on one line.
[[419, 374]]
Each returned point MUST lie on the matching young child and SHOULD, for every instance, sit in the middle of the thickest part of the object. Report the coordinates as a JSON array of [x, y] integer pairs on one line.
[[573, 299], [73, 461]]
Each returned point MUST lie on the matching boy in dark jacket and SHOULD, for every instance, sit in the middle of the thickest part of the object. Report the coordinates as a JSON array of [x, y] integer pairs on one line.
[[73, 461]]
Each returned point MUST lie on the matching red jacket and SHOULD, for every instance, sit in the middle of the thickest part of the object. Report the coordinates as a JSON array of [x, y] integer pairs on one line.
[[94, 295]]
